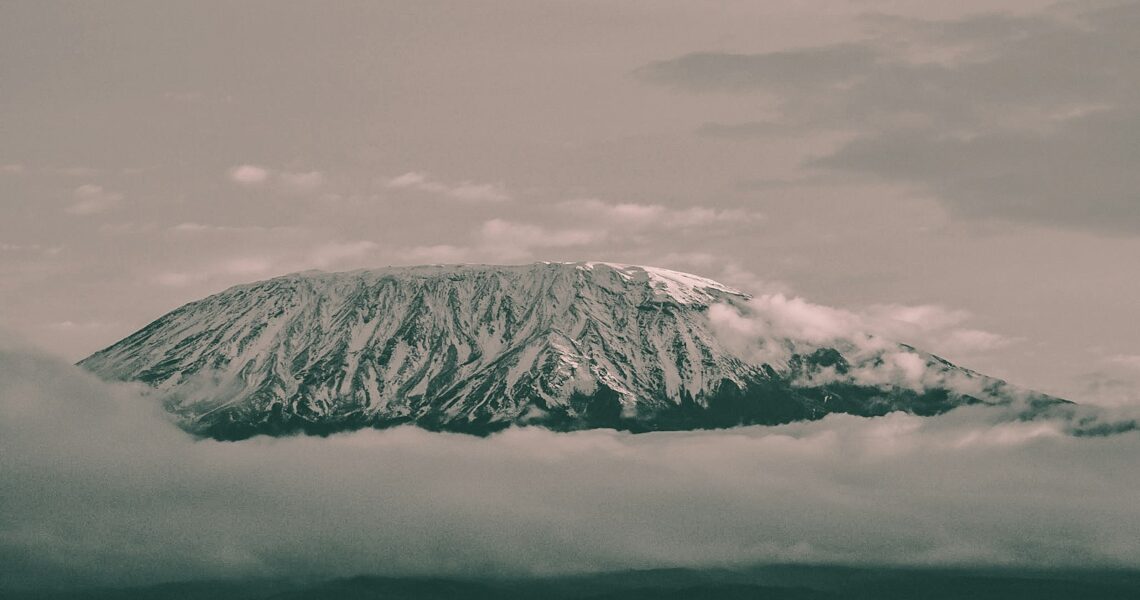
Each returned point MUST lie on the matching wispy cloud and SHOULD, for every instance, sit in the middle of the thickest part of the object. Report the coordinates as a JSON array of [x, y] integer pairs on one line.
[[1020, 117], [643, 216], [819, 68], [742, 131], [496, 231], [333, 253], [304, 181], [509, 240], [503, 240], [193, 227], [78, 171], [584, 224], [249, 175], [47, 250], [91, 199], [1127, 360], [68, 325], [239, 269], [290, 182], [438, 254], [1111, 390], [468, 191]]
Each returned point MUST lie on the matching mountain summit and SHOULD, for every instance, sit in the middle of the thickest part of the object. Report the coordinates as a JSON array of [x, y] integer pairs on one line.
[[476, 348]]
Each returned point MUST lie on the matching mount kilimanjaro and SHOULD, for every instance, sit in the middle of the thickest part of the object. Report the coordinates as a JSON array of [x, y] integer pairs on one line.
[[476, 348]]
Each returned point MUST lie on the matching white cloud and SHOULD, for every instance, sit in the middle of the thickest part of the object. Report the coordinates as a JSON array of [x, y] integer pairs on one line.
[[239, 269], [1127, 360], [528, 235], [502, 240], [479, 192], [179, 278], [466, 190], [641, 216], [743, 279], [1111, 390], [437, 254], [410, 179], [231, 270], [249, 175], [931, 325], [156, 505], [73, 325], [91, 199], [127, 227], [246, 266], [771, 328], [695, 259], [301, 182], [79, 171], [630, 214], [31, 248], [285, 182], [795, 318], [972, 340], [334, 253], [190, 228], [509, 240], [922, 316]]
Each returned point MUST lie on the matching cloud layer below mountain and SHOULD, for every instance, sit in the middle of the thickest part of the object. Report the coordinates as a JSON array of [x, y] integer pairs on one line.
[[98, 487]]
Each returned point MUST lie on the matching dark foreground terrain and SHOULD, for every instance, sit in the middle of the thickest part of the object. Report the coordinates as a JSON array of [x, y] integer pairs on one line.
[[777, 583]]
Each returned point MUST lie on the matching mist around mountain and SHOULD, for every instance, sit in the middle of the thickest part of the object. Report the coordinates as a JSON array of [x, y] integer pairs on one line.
[[101, 491], [477, 348]]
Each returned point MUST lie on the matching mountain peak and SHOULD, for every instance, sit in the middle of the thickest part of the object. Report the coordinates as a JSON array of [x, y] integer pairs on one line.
[[685, 288]]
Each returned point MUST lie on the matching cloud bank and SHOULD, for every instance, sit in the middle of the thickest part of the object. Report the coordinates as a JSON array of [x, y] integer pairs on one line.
[[99, 487], [782, 317], [1021, 117]]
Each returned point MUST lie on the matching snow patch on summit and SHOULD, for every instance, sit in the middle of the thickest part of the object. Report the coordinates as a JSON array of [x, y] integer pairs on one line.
[[683, 288]]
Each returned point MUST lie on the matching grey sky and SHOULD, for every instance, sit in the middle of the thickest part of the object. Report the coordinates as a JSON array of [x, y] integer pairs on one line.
[[975, 159]]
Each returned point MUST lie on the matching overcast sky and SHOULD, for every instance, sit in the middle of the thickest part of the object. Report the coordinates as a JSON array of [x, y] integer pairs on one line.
[[969, 169]]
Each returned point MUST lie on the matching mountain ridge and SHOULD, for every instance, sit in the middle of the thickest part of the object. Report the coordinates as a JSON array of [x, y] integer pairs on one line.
[[475, 348]]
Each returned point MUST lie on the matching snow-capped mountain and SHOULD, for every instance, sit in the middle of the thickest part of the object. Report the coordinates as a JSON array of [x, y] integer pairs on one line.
[[477, 348]]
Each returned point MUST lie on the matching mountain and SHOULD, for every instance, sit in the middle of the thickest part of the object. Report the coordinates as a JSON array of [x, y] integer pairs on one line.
[[477, 348]]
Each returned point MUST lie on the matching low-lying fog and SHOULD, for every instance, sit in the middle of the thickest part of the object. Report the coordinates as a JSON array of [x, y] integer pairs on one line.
[[98, 487]]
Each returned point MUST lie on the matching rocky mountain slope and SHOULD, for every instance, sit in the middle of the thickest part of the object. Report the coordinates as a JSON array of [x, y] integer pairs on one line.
[[476, 348]]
